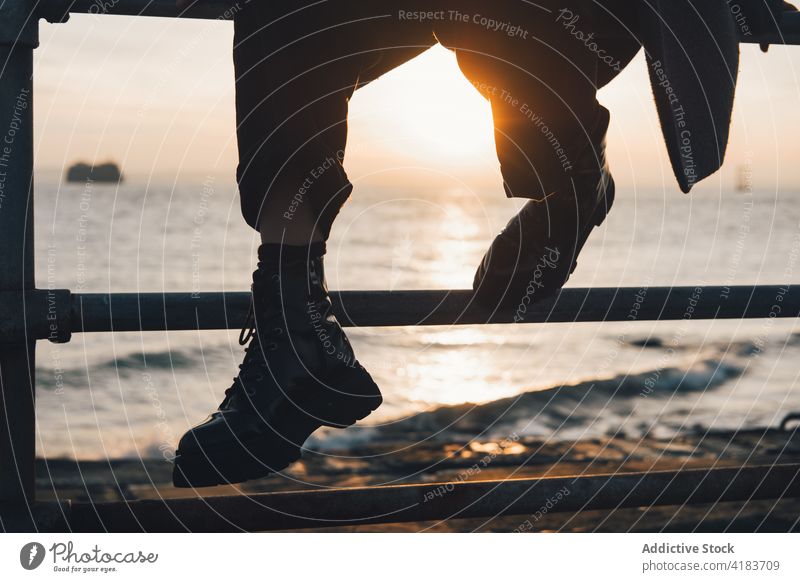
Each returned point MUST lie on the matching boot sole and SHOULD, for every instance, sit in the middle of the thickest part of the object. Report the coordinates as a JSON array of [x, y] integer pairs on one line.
[[343, 399], [245, 460]]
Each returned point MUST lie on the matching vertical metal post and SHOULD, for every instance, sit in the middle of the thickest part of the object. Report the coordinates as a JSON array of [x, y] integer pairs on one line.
[[18, 38]]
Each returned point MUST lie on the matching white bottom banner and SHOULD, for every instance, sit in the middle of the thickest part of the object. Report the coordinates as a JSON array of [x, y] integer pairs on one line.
[[354, 557]]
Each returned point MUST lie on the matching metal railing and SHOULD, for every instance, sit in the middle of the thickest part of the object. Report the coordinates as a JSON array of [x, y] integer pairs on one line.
[[28, 314]]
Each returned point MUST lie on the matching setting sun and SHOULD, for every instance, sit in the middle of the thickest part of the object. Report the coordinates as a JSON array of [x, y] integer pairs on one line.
[[428, 109]]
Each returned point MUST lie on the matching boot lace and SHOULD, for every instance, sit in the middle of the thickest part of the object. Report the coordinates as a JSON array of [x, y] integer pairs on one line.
[[255, 364]]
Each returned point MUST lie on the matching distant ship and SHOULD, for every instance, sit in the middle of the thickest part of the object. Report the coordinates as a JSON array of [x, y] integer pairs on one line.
[[82, 172], [744, 178]]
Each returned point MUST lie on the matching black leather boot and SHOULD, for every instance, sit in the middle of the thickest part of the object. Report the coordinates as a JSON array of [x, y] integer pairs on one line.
[[537, 251], [299, 373]]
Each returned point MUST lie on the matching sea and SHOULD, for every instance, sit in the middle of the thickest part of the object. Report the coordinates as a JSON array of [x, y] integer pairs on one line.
[[132, 395]]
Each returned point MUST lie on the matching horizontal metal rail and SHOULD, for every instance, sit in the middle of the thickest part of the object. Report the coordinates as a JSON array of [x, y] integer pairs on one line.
[[56, 314], [209, 10], [429, 502], [184, 311], [54, 10]]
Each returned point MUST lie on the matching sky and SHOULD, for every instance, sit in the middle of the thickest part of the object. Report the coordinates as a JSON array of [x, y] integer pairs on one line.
[[156, 95]]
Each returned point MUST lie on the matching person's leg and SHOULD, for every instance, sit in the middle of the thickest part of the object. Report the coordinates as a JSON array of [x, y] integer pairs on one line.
[[539, 66], [296, 67], [291, 107]]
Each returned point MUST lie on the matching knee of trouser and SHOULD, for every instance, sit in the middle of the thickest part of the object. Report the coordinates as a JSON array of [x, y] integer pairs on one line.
[[269, 168], [541, 159], [255, 176], [300, 183], [591, 156], [538, 163]]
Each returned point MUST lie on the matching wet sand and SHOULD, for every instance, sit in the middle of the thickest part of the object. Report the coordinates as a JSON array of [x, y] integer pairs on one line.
[[117, 480]]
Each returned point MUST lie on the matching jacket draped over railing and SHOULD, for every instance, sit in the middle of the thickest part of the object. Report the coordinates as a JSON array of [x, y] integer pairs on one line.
[[692, 53]]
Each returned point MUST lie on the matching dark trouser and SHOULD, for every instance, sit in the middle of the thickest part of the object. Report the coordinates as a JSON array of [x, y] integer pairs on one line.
[[298, 63]]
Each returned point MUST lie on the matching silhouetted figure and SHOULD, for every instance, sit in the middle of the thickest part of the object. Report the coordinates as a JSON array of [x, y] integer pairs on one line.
[[539, 64]]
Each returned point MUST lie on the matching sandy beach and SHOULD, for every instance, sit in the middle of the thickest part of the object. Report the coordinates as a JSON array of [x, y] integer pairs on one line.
[[117, 480]]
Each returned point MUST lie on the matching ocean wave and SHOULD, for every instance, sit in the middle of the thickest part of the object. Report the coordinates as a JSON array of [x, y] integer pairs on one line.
[[598, 403], [552, 409], [166, 360], [49, 378]]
